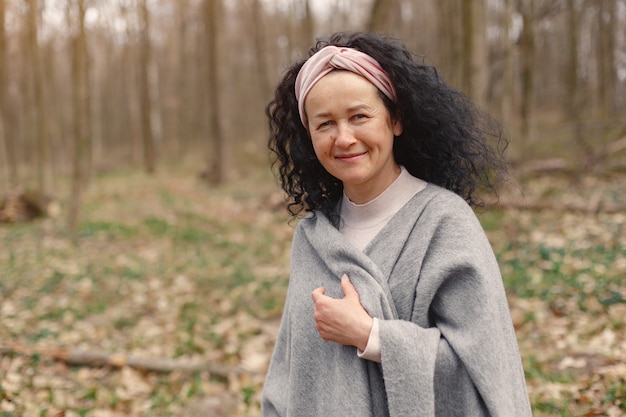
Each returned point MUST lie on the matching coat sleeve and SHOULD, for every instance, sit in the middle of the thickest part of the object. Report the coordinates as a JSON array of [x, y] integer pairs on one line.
[[457, 354]]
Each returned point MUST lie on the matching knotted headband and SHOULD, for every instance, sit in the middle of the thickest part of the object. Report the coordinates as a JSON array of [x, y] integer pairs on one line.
[[332, 57]]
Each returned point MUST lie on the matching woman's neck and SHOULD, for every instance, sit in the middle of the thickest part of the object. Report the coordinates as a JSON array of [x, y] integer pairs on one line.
[[364, 193]]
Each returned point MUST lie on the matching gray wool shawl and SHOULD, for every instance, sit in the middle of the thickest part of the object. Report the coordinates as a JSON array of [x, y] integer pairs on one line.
[[448, 347]]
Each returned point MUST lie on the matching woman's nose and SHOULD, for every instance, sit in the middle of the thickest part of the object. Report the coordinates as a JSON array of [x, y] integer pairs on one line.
[[345, 136]]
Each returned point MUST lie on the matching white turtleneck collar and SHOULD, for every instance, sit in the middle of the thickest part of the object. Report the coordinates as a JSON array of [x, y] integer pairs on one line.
[[361, 222]]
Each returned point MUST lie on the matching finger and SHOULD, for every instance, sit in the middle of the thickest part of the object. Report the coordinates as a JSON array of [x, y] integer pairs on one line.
[[347, 287], [318, 293]]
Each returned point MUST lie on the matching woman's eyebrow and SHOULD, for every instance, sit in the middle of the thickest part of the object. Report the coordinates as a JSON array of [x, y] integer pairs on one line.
[[322, 114], [356, 107]]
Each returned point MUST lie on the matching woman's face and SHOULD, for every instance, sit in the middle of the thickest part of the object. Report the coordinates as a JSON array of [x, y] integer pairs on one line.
[[352, 134]]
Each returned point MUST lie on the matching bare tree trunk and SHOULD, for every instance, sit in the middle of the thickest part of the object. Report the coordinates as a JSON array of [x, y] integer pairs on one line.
[[129, 91], [571, 76], [574, 99], [450, 35], [507, 79], [263, 55], [147, 134], [260, 49], [102, 118], [606, 55], [181, 119], [56, 157], [475, 50], [527, 50], [7, 154], [216, 165], [309, 25], [381, 9], [38, 109], [82, 116], [302, 31]]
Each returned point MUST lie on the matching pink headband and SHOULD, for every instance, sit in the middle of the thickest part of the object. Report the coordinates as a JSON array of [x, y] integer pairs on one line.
[[331, 57]]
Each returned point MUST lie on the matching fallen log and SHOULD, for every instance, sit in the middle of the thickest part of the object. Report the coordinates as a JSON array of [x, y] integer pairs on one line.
[[25, 206], [99, 358], [617, 146], [543, 166], [596, 161], [594, 206]]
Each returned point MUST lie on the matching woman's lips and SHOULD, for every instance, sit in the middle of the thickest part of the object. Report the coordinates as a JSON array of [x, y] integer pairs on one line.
[[350, 157]]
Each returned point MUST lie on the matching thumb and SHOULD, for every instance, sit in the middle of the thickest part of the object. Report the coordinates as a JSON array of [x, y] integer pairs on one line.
[[317, 293], [348, 288]]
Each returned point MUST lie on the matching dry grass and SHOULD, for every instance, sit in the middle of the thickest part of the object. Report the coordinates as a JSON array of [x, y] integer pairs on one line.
[[170, 268]]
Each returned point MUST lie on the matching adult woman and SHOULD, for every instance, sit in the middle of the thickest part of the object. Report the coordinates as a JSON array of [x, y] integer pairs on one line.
[[395, 303]]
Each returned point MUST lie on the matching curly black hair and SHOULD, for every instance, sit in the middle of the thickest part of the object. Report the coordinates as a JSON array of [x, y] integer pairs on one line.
[[446, 140]]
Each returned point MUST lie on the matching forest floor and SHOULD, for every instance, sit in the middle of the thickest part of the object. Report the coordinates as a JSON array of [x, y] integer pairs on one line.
[[171, 269]]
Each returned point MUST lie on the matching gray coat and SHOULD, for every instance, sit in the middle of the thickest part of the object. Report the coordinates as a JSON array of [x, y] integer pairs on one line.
[[448, 346]]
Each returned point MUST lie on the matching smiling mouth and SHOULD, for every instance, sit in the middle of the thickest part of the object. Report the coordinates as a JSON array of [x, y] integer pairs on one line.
[[350, 157]]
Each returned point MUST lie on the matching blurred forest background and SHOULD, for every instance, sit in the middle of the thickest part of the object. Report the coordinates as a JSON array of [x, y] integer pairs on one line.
[[92, 85], [153, 283]]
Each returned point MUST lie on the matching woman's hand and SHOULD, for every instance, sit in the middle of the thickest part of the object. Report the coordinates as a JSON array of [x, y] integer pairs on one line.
[[344, 320]]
